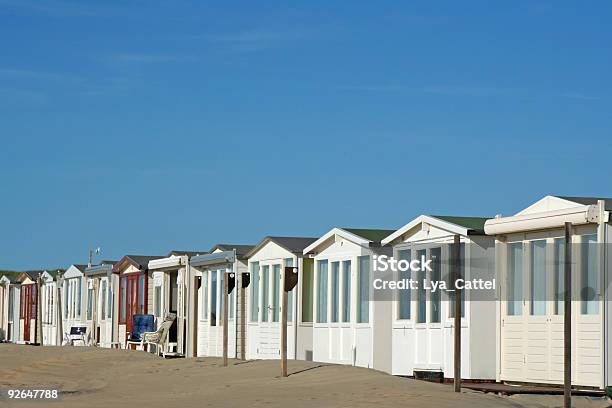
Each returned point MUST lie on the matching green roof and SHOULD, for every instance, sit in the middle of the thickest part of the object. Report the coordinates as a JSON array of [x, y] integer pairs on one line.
[[374, 235], [475, 224], [10, 275]]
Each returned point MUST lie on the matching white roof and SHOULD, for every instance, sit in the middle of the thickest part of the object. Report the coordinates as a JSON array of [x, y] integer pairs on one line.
[[436, 222], [336, 231]]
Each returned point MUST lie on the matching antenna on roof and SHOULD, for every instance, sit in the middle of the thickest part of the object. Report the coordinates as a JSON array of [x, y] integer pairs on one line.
[[93, 252]]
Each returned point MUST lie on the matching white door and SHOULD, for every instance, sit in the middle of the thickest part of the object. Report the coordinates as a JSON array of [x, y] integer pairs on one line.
[[532, 323], [269, 327]]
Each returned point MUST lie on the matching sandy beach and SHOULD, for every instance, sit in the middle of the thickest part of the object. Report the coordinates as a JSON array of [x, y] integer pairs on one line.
[[92, 377]]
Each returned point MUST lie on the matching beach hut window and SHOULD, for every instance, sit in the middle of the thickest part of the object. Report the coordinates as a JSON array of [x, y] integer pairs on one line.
[[109, 307], [363, 305], [213, 298], [538, 279], [559, 280], [141, 294], [346, 291], [66, 300], [335, 292], [436, 276], [276, 288], [123, 307], [90, 294], [289, 262], [515, 279], [158, 301], [255, 291], [204, 301], [11, 306], [79, 294], [589, 276], [322, 292], [421, 295], [307, 290], [404, 295], [103, 301], [451, 295], [265, 295]]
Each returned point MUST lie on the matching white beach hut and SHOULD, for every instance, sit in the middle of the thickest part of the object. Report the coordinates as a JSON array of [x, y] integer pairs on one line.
[[349, 326], [170, 295], [210, 270], [423, 320], [530, 261], [73, 296], [49, 308], [266, 263], [100, 313], [10, 282], [7, 302]]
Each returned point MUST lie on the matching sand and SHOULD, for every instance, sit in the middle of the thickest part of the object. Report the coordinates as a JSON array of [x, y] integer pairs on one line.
[[91, 377]]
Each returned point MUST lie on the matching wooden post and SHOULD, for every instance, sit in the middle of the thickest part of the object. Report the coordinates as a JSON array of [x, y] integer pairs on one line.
[[567, 319], [457, 306], [283, 349], [243, 319], [225, 319]]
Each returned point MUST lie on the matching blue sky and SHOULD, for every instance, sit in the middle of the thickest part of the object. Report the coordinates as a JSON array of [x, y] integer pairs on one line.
[[146, 126]]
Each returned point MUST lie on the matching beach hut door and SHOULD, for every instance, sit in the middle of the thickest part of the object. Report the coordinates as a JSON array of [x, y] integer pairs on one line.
[[269, 334]]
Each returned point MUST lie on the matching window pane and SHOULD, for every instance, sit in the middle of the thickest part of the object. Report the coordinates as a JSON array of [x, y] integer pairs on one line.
[[122, 310], [421, 295], [174, 294], [109, 307], [66, 300], [90, 295], [346, 291], [559, 275], [538, 278], [11, 305], [204, 289], [404, 295], [335, 304], [103, 301], [141, 294], [363, 305], [275, 292], [589, 275], [307, 290], [322, 292], [255, 291], [265, 296], [515, 279], [213, 298], [79, 288], [289, 262], [158, 301], [436, 276]]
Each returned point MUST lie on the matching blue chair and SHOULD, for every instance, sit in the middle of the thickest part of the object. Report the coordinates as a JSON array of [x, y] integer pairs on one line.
[[141, 323]]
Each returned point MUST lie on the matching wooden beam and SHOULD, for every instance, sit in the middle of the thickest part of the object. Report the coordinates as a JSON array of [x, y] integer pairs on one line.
[[567, 319], [457, 305], [283, 349], [243, 318]]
